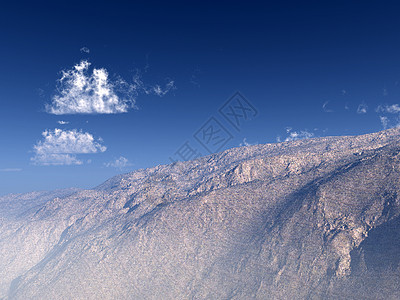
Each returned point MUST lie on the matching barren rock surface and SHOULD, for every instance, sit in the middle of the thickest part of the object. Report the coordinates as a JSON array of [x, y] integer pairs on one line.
[[310, 219]]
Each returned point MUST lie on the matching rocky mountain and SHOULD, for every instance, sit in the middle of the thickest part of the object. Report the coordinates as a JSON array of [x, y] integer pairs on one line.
[[309, 219]]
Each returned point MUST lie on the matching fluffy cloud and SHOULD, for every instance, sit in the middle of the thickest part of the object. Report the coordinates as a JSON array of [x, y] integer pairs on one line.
[[63, 122], [60, 147], [82, 92], [119, 163]]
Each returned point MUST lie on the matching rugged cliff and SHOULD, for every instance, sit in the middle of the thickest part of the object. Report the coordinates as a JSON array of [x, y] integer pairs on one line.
[[310, 219]]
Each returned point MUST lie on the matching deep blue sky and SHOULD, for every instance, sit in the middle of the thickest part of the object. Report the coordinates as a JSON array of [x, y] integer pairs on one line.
[[318, 67]]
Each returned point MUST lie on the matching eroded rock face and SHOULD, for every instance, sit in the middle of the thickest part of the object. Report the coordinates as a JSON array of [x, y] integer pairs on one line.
[[311, 219]]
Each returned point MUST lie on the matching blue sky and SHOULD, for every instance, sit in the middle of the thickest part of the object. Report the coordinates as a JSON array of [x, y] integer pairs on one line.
[[140, 84]]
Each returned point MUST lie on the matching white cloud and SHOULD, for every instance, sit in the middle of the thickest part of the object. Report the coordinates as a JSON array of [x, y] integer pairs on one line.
[[391, 109], [11, 170], [82, 92], [245, 143], [60, 147], [296, 135], [362, 108], [325, 107], [303, 134], [119, 163], [384, 121], [63, 122], [85, 49], [389, 115]]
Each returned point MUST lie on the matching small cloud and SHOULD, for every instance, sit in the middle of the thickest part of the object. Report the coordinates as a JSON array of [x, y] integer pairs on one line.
[[245, 143], [344, 92], [63, 122], [60, 147], [139, 86], [384, 121], [85, 50], [362, 108], [389, 115], [296, 135], [119, 163], [325, 107], [346, 106], [11, 170], [159, 91], [390, 109]]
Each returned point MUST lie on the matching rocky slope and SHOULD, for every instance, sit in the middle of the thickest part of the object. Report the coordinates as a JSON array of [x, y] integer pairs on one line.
[[310, 219]]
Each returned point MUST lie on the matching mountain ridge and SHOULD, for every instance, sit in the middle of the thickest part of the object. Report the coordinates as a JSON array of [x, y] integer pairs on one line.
[[288, 220]]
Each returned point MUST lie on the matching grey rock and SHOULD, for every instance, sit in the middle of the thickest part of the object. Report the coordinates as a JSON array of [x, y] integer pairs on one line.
[[310, 219]]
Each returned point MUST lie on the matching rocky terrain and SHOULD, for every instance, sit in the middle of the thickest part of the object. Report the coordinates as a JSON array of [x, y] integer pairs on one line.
[[310, 219]]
